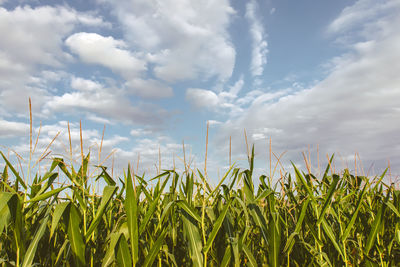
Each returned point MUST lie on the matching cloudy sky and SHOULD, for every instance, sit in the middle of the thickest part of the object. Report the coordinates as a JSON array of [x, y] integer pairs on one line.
[[300, 73]]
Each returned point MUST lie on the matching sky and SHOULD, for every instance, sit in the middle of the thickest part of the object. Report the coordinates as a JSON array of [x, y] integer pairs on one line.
[[312, 77]]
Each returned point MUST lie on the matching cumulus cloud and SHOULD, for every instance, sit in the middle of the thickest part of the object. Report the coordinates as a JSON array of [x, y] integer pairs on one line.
[[42, 30], [192, 43], [202, 98], [106, 51], [257, 32], [32, 43], [354, 109]]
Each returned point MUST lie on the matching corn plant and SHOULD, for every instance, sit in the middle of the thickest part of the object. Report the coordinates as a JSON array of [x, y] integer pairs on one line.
[[338, 219]]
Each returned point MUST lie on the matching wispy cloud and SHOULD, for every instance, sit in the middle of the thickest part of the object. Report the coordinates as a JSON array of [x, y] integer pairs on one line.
[[258, 35]]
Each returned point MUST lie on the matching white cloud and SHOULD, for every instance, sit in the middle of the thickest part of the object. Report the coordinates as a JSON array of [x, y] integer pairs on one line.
[[235, 89], [108, 102], [12, 128], [228, 102], [214, 122], [42, 30], [192, 43], [354, 109], [81, 84], [362, 14], [32, 43], [106, 51], [149, 88], [260, 50], [140, 132], [202, 98], [99, 119]]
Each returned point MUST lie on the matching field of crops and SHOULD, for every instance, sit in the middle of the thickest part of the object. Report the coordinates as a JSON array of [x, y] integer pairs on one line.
[[181, 220]]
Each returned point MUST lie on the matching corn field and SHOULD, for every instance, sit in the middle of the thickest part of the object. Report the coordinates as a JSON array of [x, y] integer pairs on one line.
[[338, 219]]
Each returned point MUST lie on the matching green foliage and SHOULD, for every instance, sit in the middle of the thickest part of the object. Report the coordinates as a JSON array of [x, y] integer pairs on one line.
[[337, 220]]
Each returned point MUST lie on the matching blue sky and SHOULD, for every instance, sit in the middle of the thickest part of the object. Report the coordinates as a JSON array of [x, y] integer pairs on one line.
[[303, 73]]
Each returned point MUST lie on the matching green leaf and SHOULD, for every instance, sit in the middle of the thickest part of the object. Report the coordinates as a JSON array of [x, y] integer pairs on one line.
[[355, 213], [75, 236], [328, 198], [217, 226], [376, 226], [155, 249], [195, 244], [152, 208], [393, 208], [304, 183], [109, 180], [4, 175], [4, 218], [46, 195], [252, 261], [61, 251], [263, 194], [4, 198], [132, 216], [123, 255], [166, 211], [204, 180], [15, 208], [31, 251], [183, 204], [328, 230], [110, 253], [219, 184], [57, 214], [290, 242], [82, 172], [19, 179], [108, 193], [259, 219], [227, 257], [327, 168]]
